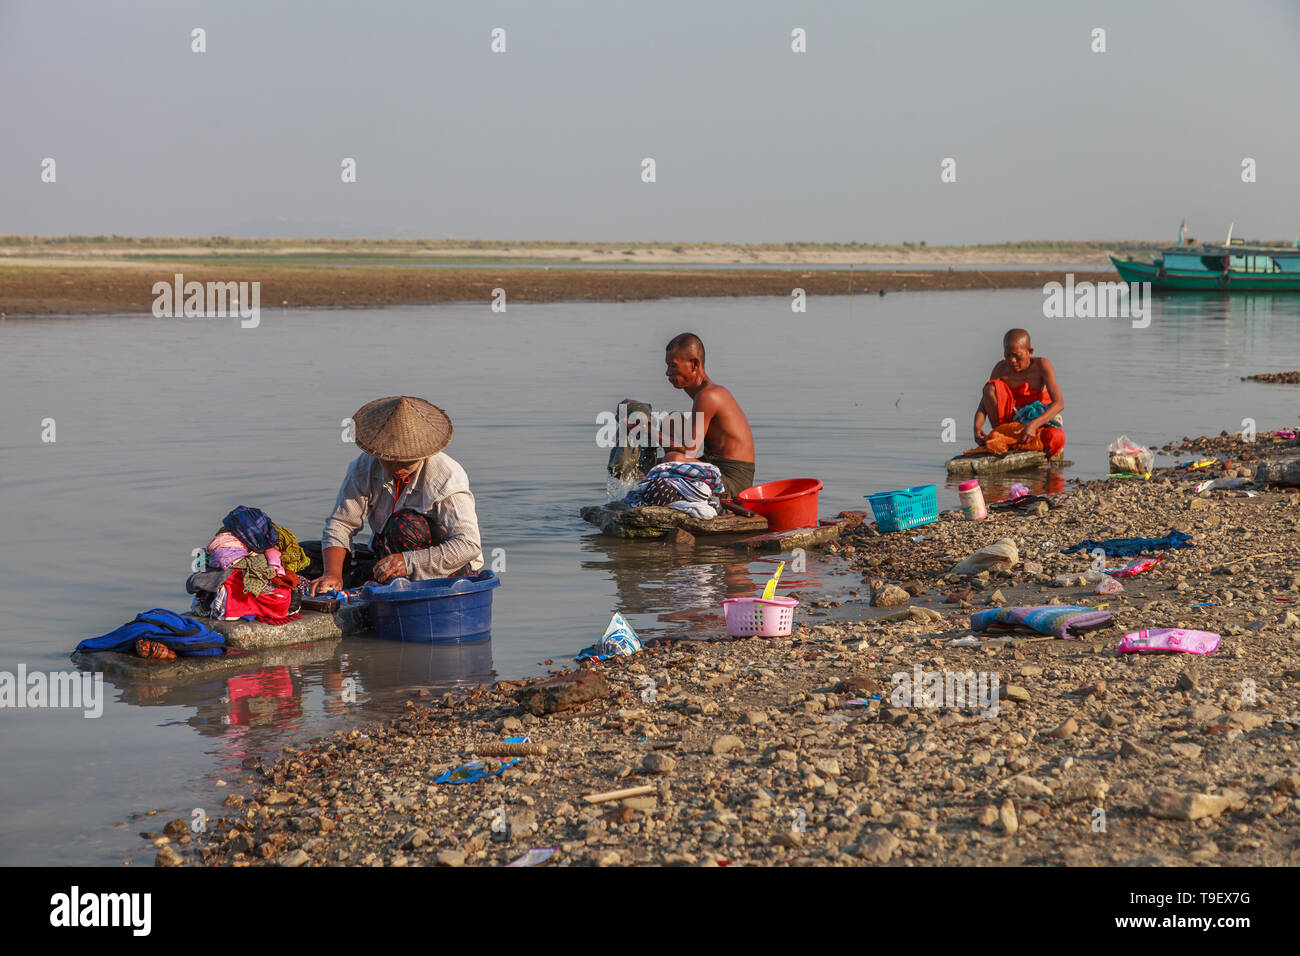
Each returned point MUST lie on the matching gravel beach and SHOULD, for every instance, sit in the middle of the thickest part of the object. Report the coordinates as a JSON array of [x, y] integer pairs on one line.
[[773, 752]]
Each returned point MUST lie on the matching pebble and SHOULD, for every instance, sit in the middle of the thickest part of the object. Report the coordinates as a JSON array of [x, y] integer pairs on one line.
[[658, 763], [450, 857], [293, 858], [167, 856], [891, 595], [1173, 805], [725, 744], [878, 847], [1068, 728], [415, 839], [1187, 751], [1007, 816]]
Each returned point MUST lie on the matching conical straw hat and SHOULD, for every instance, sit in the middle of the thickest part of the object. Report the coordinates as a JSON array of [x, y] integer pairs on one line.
[[401, 428]]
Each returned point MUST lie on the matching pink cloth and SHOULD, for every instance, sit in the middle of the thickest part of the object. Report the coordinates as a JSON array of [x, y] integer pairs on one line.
[[224, 557], [223, 539], [1169, 640]]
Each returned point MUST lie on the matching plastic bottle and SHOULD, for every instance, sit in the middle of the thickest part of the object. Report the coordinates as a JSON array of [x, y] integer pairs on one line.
[[972, 500]]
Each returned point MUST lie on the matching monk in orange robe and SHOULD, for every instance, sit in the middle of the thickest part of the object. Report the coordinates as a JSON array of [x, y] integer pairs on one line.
[[1017, 382]]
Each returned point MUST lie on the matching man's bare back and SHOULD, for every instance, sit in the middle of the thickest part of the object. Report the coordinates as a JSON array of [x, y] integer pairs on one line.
[[727, 433]]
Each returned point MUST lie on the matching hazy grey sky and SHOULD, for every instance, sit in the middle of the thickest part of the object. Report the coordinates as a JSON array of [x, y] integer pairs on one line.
[[752, 141]]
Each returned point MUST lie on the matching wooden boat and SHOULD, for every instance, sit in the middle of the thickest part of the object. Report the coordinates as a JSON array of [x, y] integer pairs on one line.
[[1232, 267]]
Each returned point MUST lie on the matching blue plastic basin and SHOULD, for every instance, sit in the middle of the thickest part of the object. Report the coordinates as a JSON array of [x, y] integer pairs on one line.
[[436, 611]]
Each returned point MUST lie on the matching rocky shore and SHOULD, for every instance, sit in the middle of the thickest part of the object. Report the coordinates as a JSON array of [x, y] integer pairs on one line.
[[773, 752]]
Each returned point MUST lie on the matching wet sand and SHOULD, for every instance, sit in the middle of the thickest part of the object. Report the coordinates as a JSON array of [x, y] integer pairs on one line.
[[127, 288], [754, 752]]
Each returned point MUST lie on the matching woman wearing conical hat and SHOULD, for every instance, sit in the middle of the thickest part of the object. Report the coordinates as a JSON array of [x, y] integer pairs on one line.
[[416, 498]]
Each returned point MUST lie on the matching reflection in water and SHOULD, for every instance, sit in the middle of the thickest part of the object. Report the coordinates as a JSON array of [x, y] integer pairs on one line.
[[1047, 480], [359, 678], [828, 405], [666, 592]]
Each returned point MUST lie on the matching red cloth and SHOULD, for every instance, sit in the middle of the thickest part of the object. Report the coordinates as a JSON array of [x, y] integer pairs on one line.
[[1009, 399], [273, 602], [256, 697]]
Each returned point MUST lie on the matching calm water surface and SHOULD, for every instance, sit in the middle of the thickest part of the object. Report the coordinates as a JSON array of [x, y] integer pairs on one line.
[[164, 425]]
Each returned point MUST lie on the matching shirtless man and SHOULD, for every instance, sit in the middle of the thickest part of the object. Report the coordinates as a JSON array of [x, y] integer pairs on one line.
[[1020, 380], [726, 441]]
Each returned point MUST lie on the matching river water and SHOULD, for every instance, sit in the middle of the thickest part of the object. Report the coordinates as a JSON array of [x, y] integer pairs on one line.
[[163, 425]]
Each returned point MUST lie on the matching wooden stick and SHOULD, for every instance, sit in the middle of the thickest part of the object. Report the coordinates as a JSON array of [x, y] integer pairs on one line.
[[620, 794], [511, 750]]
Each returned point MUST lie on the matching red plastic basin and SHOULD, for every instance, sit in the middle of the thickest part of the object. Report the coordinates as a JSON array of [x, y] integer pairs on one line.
[[786, 505]]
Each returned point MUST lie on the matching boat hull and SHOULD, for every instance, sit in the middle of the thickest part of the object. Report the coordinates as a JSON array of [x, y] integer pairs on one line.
[[1168, 280]]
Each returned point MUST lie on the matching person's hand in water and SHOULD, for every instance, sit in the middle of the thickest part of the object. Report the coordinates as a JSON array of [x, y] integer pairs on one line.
[[325, 583], [393, 566]]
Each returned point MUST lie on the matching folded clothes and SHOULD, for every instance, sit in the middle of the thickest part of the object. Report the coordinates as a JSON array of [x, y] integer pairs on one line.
[[291, 552], [223, 539], [257, 573], [1128, 547], [222, 558], [206, 581], [252, 527], [696, 509], [671, 481], [1060, 620], [273, 602]]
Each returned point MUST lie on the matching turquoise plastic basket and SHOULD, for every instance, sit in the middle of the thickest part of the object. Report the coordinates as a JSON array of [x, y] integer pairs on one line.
[[896, 510]]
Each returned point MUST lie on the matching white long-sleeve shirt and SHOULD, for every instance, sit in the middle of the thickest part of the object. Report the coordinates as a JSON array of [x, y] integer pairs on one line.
[[439, 487]]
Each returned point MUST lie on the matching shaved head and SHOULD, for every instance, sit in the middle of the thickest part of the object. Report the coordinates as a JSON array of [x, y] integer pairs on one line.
[[1016, 337], [687, 345]]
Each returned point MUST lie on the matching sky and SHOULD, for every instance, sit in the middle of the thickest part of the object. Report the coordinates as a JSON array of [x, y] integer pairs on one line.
[[752, 142]]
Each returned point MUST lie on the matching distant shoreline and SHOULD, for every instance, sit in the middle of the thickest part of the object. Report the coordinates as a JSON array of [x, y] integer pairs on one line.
[[112, 286], [121, 250]]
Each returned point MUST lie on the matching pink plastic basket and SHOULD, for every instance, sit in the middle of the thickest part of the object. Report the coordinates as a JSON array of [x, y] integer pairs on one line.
[[756, 617]]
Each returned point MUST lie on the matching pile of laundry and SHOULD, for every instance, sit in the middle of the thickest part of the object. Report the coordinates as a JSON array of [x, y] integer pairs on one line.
[[250, 571], [690, 486]]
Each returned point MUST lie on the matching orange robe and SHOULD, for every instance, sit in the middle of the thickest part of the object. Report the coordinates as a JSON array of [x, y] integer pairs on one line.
[[1010, 399]]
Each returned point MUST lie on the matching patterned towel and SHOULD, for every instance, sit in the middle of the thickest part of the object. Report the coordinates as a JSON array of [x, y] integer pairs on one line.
[[671, 481], [1061, 620]]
